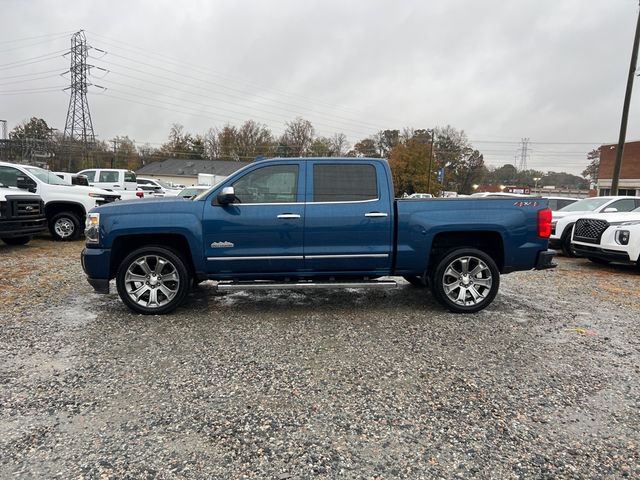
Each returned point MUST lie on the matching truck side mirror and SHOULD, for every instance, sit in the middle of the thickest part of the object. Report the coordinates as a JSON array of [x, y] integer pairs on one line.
[[227, 196], [25, 183]]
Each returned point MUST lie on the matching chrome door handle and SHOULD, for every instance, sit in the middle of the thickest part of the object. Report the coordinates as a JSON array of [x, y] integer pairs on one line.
[[288, 215], [376, 214]]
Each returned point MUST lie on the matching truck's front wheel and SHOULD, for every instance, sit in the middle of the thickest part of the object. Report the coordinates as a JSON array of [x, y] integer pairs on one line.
[[466, 280], [64, 226], [153, 280]]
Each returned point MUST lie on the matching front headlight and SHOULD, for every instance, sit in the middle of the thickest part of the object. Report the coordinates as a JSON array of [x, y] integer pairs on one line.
[[92, 228]]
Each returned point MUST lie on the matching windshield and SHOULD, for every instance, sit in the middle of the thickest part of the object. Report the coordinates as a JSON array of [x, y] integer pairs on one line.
[[46, 176], [586, 205]]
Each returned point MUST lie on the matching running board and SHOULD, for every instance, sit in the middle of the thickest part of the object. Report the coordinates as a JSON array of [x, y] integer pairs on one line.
[[233, 286]]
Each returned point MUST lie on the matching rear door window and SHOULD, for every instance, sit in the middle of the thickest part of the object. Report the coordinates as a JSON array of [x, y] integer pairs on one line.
[[129, 176], [344, 183]]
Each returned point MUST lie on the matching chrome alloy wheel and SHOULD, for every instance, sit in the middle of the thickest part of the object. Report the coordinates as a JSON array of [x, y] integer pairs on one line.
[[151, 281], [467, 281], [64, 227]]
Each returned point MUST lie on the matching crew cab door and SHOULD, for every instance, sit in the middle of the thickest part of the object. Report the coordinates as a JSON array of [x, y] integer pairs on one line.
[[348, 226], [262, 231]]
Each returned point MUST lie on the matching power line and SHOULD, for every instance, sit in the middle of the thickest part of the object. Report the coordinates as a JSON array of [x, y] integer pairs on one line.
[[166, 59], [16, 40], [29, 61]]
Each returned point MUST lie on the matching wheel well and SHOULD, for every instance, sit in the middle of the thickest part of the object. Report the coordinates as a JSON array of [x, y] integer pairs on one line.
[[123, 246], [53, 208], [490, 243]]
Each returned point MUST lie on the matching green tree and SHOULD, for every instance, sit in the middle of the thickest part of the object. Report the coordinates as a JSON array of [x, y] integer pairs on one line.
[[36, 128], [366, 147], [591, 172], [409, 162]]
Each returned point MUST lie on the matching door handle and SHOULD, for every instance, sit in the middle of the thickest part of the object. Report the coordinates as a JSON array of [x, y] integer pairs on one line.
[[288, 215], [376, 214]]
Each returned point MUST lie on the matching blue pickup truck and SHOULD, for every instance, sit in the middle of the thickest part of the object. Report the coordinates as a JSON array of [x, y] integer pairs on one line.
[[313, 223]]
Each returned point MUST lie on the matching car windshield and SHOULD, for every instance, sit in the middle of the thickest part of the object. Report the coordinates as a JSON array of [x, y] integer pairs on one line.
[[46, 176], [585, 205]]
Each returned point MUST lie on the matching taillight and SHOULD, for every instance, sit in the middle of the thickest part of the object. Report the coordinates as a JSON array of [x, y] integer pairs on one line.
[[140, 194], [544, 223]]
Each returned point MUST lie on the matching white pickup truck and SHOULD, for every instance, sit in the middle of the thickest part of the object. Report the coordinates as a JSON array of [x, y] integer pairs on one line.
[[65, 206], [118, 180]]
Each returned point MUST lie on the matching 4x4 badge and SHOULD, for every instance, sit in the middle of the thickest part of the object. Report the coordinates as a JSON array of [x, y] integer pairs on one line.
[[222, 245]]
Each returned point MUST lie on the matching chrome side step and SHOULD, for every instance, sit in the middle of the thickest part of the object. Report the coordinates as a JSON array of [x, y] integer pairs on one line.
[[308, 285]]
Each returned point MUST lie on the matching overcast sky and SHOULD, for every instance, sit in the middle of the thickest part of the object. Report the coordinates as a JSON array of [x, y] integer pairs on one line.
[[550, 70]]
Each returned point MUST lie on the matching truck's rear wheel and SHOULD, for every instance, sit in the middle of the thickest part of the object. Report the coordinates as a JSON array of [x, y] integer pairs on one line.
[[64, 226], [17, 240], [153, 280], [466, 280]]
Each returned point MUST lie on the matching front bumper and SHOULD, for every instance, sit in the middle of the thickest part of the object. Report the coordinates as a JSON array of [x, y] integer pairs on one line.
[[545, 260], [21, 228], [600, 253], [95, 263]]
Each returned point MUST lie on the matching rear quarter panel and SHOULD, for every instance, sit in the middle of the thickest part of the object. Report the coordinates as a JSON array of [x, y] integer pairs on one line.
[[514, 219]]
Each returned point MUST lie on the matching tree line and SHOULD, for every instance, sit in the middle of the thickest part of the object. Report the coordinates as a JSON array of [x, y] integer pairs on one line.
[[421, 160]]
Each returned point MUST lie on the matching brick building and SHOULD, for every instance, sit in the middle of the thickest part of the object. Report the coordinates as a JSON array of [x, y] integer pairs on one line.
[[629, 183]]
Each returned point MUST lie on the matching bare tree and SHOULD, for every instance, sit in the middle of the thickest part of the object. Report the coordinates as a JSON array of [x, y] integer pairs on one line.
[[297, 137]]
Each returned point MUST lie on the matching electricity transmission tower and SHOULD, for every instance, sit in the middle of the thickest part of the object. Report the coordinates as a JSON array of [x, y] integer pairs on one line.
[[522, 165], [79, 126]]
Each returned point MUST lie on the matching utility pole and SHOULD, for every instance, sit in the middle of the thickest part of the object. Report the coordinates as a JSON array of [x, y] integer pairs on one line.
[[625, 111], [3, 132], [115, 152], [432, 134]]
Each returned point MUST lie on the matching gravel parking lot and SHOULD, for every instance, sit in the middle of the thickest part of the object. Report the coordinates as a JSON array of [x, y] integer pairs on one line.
[[349, 384]]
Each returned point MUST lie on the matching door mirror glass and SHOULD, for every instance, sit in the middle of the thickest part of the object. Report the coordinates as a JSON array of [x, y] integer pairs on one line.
[[25, 183], [227, 196]]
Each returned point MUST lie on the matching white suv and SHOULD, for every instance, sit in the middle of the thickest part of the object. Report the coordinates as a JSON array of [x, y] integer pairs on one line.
[[564, 219], [608, 237], [65, 205]]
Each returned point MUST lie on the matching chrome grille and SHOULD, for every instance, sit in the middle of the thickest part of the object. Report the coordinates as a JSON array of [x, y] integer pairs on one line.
[[589, 230]]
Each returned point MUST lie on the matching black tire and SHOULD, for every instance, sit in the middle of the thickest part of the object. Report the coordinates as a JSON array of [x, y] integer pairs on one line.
[[489, 275], [416, 280], [129, 280], [567, 249], [599, 261], [17, 240], [65, 227]]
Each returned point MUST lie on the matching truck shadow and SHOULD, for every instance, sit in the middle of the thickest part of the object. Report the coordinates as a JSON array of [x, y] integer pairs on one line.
[[205, 296]]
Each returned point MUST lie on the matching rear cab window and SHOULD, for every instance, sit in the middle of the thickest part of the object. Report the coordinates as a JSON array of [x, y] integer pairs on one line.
[[342, 182]]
